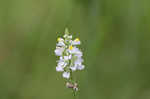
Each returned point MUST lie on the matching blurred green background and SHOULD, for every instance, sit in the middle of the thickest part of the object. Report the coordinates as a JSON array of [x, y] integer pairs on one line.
[[115, 39]]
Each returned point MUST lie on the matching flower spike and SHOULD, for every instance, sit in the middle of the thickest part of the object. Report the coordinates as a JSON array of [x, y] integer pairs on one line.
[[70, 58]]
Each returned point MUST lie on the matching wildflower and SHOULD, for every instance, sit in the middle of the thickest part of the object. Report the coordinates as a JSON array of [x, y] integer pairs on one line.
[[75, 51], [70, 58], [59, 69], [60, 42], [66, 75], [76, 42], [67, 57], [80, 67], [62, 63], [59, 51]]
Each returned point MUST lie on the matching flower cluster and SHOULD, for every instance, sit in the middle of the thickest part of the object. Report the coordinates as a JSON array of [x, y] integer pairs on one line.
[[70, 56]]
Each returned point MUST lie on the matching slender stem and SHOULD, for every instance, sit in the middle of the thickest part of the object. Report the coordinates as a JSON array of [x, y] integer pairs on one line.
[[70, 80]]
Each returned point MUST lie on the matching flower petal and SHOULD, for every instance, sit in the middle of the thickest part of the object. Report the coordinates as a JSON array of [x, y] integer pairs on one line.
[[66, 75]]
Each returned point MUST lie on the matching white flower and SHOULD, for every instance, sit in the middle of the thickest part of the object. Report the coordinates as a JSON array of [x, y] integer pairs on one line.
[[59, 51], [59, 69], [77, 66], [70, 56], [66, 75], [78, 53], [60, 44], [73, 68], [67, 57], [76, 42], [61, 58], [79, 60], [74, 50], [62, 63], [80, 67]]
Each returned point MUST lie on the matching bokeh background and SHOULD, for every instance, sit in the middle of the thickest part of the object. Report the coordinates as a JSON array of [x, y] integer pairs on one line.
[[115, 39]]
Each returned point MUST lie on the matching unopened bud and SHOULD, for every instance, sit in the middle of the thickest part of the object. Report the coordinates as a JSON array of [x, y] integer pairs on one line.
[[69, 85]]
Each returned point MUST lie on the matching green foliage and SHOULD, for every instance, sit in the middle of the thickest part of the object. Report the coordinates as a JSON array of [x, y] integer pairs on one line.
[[115, 39]]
